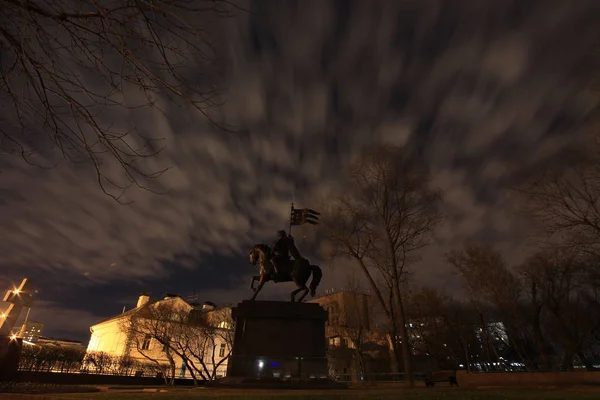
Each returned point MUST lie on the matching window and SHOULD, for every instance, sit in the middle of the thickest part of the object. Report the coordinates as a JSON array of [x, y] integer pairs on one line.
[[146, 342], [222, 350], [344, 342], [165, 348], [224, 325]]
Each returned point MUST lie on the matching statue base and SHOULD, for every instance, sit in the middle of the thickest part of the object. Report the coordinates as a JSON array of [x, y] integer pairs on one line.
[[10, 352], [278, 341]]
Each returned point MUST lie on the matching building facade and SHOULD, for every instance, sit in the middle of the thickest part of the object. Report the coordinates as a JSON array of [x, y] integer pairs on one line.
[[355, 346], [31, 331], [168, 332]]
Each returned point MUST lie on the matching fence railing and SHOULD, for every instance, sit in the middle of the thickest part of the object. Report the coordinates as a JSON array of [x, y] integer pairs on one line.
[[376, 377]]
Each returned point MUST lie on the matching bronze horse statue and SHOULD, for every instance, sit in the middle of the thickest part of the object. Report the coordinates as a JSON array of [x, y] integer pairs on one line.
[[298, 270]]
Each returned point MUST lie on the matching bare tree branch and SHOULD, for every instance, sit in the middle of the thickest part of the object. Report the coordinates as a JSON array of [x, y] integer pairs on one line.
[[65, 64], [566, 204]]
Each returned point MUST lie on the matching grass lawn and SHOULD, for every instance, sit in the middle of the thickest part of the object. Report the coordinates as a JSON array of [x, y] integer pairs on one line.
[[352, 394]]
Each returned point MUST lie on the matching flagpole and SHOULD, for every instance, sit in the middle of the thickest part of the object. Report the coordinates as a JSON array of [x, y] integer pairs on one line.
[[291, 214]]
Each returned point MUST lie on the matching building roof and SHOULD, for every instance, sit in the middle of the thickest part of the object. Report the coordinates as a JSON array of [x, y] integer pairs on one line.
[[333, 294], [119, 316], [133, 311]]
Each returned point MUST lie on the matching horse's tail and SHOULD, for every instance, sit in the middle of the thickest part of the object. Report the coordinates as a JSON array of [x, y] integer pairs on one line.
[[317, 274]]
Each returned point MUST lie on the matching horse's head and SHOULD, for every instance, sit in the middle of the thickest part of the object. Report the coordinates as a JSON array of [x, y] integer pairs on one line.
[[253, 256], [259, 253]]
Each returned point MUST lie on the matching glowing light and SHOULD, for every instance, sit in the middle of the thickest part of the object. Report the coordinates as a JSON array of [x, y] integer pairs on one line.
[[13, 337], [261, 364], [2, 315], [16, 291]]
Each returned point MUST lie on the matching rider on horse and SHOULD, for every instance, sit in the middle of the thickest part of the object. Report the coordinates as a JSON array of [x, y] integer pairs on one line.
[[276, 265], [280, 254], [281, 251]]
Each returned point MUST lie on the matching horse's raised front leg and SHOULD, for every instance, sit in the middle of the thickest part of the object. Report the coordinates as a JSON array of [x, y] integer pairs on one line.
[[254, 278]]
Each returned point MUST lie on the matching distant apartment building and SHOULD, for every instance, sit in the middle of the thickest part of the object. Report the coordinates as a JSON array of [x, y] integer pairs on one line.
[[31, 331], [119, 336]]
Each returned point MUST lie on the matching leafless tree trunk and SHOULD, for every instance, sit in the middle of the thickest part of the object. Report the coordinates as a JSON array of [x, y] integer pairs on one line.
[[202, 339], [536, 312], [382, 223], [569, 297]]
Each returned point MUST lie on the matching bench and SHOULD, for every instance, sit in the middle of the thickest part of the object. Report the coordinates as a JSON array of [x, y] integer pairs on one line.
[[438, 377]]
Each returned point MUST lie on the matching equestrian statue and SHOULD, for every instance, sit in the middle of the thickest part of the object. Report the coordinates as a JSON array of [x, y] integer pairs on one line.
[[275, 265]]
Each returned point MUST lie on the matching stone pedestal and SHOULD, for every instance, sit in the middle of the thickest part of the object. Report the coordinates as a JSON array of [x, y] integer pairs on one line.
[[10, 352], [276, 339]]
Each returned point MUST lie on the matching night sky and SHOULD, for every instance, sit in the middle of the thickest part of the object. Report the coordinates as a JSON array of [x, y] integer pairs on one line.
[[488, 93]]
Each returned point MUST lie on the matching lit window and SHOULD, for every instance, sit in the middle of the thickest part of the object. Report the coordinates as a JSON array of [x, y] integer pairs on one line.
[[224, 325]]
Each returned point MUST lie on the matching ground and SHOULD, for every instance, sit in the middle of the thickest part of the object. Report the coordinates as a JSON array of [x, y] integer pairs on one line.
[[351, 394]]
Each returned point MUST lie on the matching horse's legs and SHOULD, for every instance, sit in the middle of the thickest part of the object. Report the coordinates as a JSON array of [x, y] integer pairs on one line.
[[303, 295], [254, 278], [294, 293], [300, 289], [261, 283]]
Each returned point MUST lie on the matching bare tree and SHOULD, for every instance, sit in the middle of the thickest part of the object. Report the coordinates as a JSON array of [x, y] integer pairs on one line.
[[566, 204], [202, 341], [206, 341], [150, 331], [384, 219], [65, 63], [568, 302], [497, 296], [437, 329]]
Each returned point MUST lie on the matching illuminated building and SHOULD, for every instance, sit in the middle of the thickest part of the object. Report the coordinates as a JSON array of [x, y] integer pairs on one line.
[[351, 329], [31, 331], [112, 336]]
